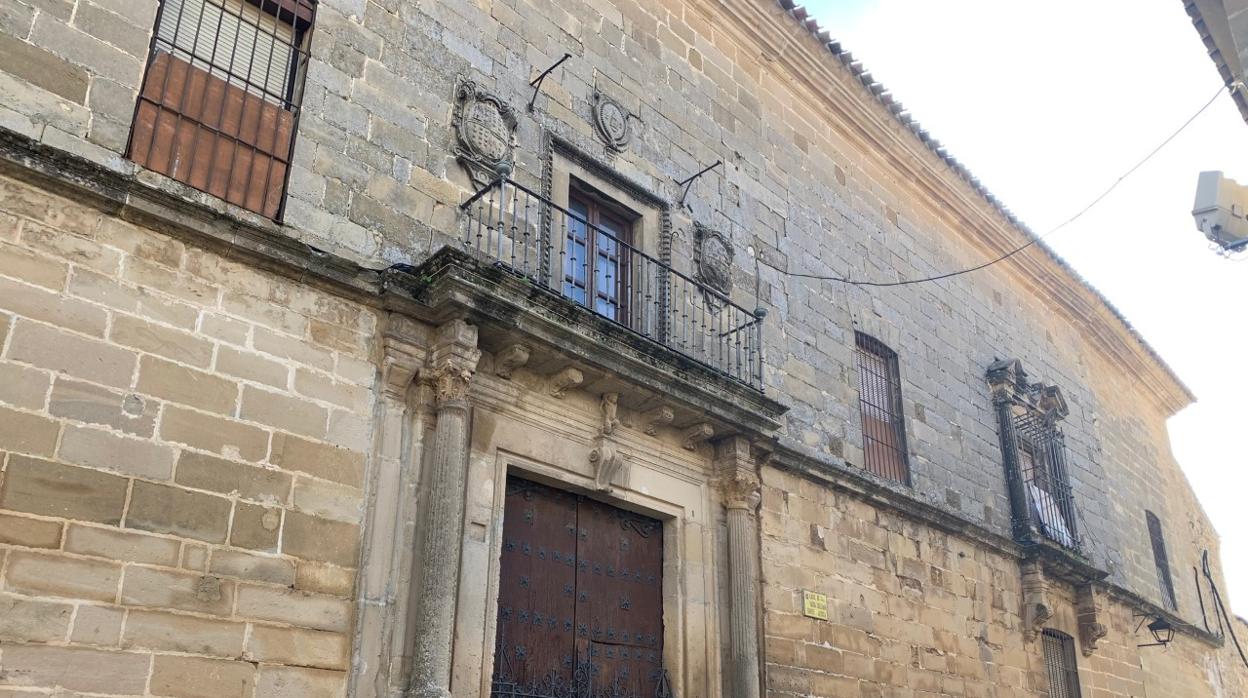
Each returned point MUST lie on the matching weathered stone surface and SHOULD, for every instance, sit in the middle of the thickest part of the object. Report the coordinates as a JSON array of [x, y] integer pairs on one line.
[[182, 591], [253, 367], [76, 669], [77, 356], [186, 386], [49, 575], [294, 607], [47, 306], [98, 625], [121, 545], [223, 436], [319, 459], [323, 540], [28, 532], [182, 633], [27, 433], [324, 579], [284, 412], [125, 455], [310, 648], [94, 404], [44, 69], [28, 620], [328, 500], [228, 477], [163, 509], [162, 341], [256, 527], [293, 682], [22, 386], [235, 563], [198, 677], [42, 487]]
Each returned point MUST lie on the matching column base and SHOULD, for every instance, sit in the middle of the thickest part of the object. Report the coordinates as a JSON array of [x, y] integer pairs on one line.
[[428, 692]]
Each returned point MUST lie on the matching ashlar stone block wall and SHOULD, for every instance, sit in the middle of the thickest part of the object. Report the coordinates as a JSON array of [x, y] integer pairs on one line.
[[182, 444], [916, 611]]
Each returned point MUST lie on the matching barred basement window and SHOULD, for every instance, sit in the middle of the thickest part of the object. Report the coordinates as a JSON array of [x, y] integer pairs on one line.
[[883, 424], [220, 100], [1059, 658], [1161, 561]]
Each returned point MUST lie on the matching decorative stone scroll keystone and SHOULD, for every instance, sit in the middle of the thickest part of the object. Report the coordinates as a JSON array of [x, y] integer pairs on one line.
[[564, 380], [698, 433], [657, 417], [1088, 611], [1036, 607], [605, 456], [607, 461], [509, 359]]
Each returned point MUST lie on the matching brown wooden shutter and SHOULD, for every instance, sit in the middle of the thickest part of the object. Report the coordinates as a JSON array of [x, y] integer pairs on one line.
[[219, 101]]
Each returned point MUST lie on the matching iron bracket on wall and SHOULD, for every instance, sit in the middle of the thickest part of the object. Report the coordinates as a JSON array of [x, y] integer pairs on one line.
[[687, 183], [537, 82]]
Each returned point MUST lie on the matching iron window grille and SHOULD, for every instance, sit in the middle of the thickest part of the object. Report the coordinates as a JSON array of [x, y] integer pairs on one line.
[[883, 421], [1033, 450], [221, 95], [1161, 560], [549, 245], [1062, 666]]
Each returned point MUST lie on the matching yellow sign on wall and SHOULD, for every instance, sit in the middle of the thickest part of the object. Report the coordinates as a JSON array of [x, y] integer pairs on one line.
[[814, 605]]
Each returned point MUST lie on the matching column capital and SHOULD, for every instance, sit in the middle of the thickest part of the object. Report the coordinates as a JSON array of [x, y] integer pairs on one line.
[[453, 361], [742, 490]]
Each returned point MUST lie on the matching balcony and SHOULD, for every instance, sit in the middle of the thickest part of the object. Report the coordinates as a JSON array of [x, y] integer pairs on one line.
[[566, 256]]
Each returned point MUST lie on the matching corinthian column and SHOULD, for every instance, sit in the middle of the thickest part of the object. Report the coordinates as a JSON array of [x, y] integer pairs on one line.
[[740, 487], [454, 359]]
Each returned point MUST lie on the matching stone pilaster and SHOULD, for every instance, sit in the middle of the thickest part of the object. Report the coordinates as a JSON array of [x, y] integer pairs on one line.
[[739, 485], [381, 593], [453, 361]]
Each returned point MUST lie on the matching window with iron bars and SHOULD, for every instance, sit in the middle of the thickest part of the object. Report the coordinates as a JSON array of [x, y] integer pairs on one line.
[[1042, 468], [879, 399], [1063, 668], [220, 101], [1162, 561]]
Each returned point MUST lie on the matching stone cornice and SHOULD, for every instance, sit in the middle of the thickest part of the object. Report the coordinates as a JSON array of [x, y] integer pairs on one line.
[[454, 282], [857, 113]]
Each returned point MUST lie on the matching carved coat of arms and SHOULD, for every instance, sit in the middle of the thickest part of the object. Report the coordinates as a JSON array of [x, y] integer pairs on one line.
[[485, 130], [713, 255], [611, 121]]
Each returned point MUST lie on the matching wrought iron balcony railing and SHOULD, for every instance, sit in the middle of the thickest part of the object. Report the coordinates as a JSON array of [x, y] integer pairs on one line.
[[565, 254]]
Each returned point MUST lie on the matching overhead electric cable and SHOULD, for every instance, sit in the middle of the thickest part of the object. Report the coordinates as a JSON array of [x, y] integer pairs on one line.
[[1035, 239]]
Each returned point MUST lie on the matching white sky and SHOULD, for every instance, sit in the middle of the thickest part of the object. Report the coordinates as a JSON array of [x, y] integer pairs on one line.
[[1048, 103]]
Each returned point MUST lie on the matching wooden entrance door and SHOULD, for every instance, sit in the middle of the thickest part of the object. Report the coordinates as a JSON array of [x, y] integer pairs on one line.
[[580, 600]]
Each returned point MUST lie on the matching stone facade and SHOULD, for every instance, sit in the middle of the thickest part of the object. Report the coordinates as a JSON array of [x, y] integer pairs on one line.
[[244, 457]]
